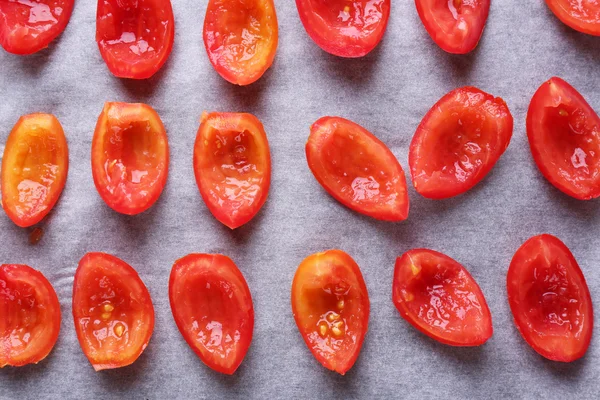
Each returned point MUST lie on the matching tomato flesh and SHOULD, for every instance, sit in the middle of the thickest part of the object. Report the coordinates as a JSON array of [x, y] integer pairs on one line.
[[30, 313], [34, 168], [550, 300], [232, 164], [345, 28], [581, 15], [458, 142], [135, 37], [130, 157], [330, 303], [112, 311]]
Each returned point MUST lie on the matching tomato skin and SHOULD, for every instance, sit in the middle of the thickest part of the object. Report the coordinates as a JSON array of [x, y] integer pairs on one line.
[[545, 285], [564, 138], [350, 33], [331, 307], [30, 311], [130, 157], [339, 152], [34, 168], [135, 37], [466, 123], [583, 16], [209, 288], [112, 311]]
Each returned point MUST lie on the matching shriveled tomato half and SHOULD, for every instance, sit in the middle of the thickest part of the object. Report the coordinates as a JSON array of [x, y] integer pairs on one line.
[[28, 26], [34, 168], [130, 157], [240, 37], [345, 28], [458, 142], [564, 137], [330, 303], [135, 37], [550, 300], [112, 311], [439, 297], [357, 169], [212, 307], [232, 164], [581, 15], [29, 316]]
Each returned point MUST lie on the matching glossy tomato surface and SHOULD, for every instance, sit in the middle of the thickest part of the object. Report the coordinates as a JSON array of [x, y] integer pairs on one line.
[[29, 316], [135, 37], [581, 15], [130, 157], [330, 303], [550, 300], [112, 310], [357, 169], [212, 307], [240, 37], [345, 28], [458, 142], [439, 297], [28, 26], [232, 164], [34, 168], [564, 137]]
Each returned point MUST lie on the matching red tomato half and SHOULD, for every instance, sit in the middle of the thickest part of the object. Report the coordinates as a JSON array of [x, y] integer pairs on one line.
[[212, 307], [34, 168], [135, 37], [240, 37], [112, 310], [29, 316], [345, 28], [454, 25], [439, 297], [27, 26], [232, 164], [357, 169], [564, 137], [130, 157], [550, 300], [458, 142], [330, 303], [581, 15]]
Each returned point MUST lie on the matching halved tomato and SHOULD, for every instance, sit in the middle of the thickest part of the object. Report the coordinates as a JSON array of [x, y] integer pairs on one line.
[[330, 303], [212, 307], [357, 169], [458, 142], [564, 137], [454, 25], [232, 164], [439, 297], [130, 157], [34, 168], [581, 15], [29, 316], [240, 37], [135, 37], [345, 28], [550, 300], [28, 26]]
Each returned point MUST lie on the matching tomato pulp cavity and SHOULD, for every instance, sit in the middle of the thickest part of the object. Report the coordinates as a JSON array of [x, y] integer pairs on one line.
[[581, 15]]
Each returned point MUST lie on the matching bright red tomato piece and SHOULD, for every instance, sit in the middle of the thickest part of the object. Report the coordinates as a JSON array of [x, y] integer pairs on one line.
[[240, 37], [135, 37], [30, 316], [564, 137], [212, 307], [130, 157], [330, 303], [458, 142], [345, 28], [550, 300], [439, 297], [232, 164], [581, 15], [34, 168]]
